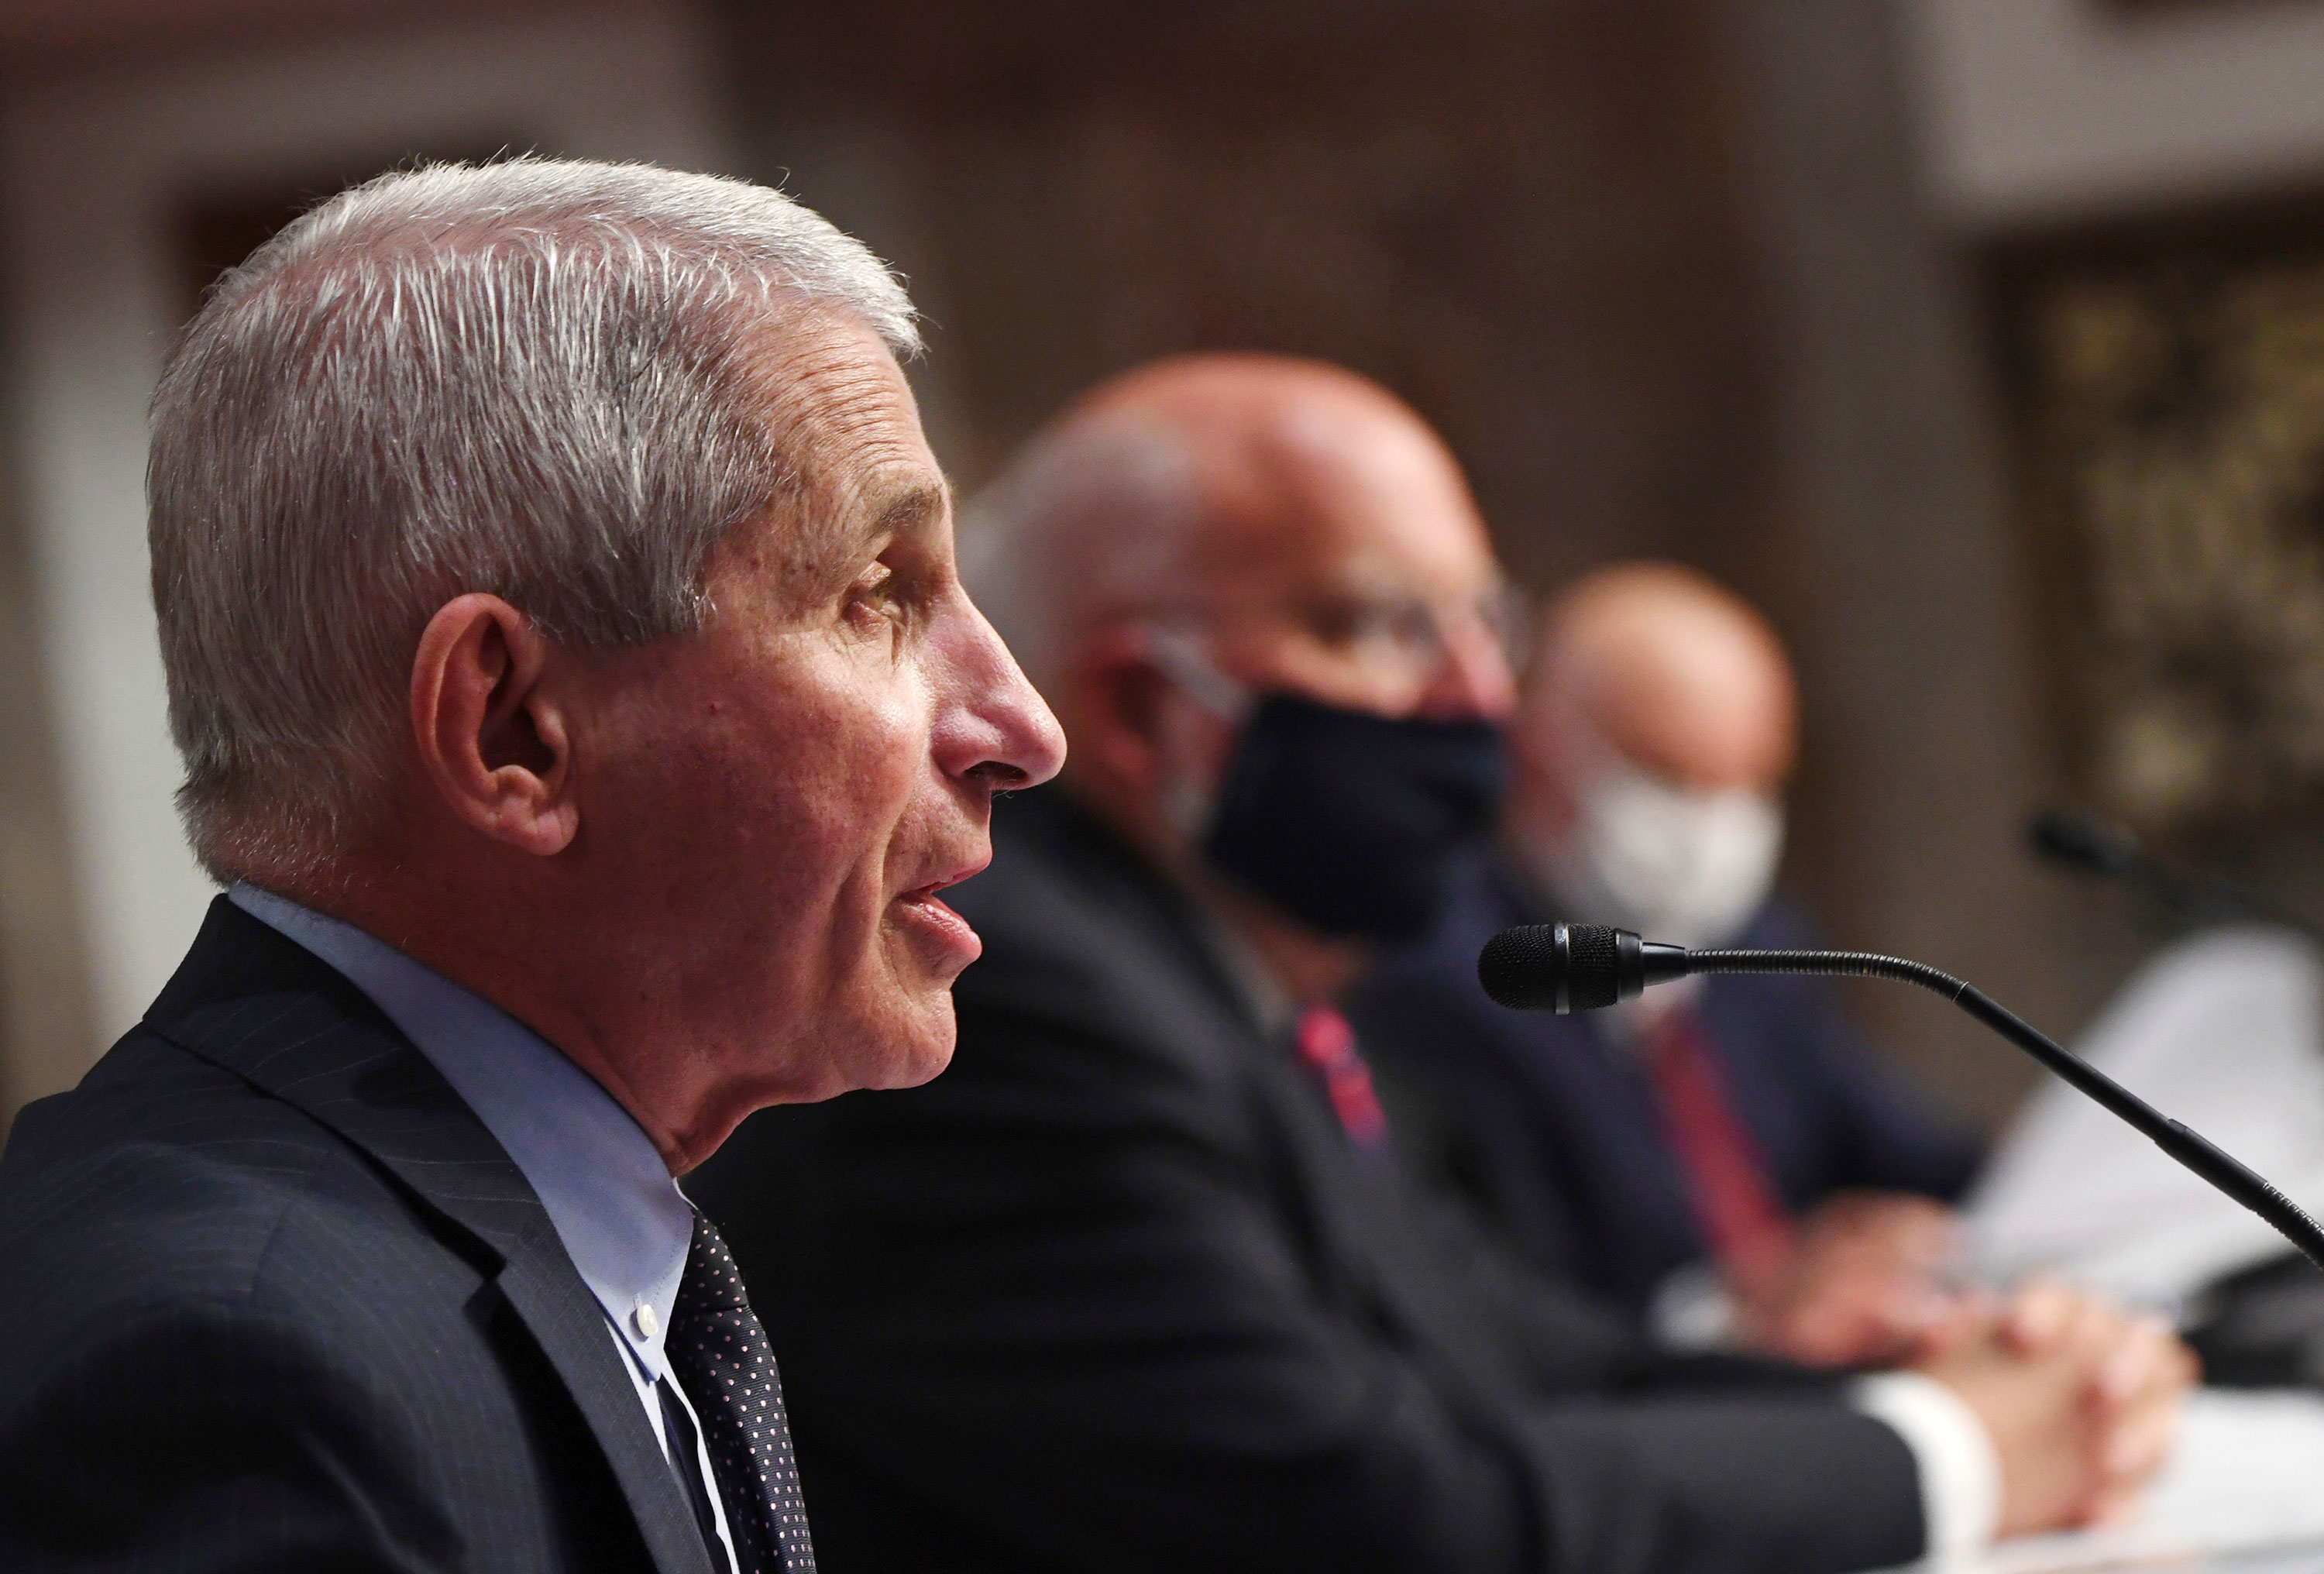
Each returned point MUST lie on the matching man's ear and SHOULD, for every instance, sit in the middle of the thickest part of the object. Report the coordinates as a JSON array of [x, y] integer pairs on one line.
[[497, 746], [1117, 702]]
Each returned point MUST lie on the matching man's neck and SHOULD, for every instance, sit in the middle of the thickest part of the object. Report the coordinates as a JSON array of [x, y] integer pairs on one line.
[[1303, 965], [1306, 966], [380, 899]]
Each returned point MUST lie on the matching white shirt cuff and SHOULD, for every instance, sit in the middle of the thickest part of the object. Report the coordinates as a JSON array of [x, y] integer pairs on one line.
[[1961, 1473]]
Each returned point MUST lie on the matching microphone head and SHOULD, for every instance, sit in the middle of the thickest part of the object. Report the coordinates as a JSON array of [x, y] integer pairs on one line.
[[2077, 840], [1554, 967]]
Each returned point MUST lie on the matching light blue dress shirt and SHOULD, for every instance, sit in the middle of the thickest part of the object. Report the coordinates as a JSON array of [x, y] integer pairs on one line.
[[614, 1203]]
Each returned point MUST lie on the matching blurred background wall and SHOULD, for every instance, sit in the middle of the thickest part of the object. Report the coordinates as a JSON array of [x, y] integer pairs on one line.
[[1700, 279]]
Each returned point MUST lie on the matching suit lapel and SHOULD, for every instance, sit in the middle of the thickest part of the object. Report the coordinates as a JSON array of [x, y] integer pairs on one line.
[[549, 1296], [1357, 1215], [1361, 1209], [255, 1004]]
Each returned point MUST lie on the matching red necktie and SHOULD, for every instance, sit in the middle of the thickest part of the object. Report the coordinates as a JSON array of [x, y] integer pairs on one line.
[[1327, 1047], [1726, 1175]]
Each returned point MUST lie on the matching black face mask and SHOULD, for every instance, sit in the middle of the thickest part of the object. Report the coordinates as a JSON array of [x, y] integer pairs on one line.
[[1351, 822]]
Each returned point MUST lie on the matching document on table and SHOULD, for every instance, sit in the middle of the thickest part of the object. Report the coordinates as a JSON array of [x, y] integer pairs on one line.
[[2243, 1494], [2224, 1031]]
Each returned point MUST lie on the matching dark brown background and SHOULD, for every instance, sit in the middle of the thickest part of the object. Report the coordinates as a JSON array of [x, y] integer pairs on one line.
[[1660, 269], [1522, 217]]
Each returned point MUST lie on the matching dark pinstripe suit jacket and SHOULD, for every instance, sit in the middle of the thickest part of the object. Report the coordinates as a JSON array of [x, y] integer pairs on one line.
[[272, 1298]]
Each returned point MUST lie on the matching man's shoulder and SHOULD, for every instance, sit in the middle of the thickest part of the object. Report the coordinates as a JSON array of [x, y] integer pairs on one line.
[[1482, 902], [209, 1166], [1788, 1011], [1781, 924], [148, 1110], [220, 1322], [1430, 988], [164, 1181], [1055, 868], [1076, 927]]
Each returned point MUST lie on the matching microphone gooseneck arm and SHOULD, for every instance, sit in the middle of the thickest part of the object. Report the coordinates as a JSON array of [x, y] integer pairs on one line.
[[1583, 967], [2085, 844], [2182, 1143]]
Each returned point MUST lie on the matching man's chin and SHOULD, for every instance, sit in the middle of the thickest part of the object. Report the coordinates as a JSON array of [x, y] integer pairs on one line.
[[922, 1068], [921, 1045]]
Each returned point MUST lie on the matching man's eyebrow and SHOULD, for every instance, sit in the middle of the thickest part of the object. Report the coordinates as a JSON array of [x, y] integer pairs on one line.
[[911, 508]]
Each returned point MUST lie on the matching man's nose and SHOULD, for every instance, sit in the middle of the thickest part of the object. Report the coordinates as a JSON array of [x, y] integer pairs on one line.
[[1007, 736], [1472, 681]]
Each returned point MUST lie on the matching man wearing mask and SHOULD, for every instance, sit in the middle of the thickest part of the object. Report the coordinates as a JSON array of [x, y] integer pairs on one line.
[[1138, 1283], [1722, 1157]]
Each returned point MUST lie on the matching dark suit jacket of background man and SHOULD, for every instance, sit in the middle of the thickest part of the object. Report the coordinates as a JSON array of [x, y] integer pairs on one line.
[[1114, 1293], [1552, 1129], [272, 1298]]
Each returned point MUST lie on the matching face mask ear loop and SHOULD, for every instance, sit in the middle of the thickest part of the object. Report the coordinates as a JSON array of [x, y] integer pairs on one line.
[[1178, 654]]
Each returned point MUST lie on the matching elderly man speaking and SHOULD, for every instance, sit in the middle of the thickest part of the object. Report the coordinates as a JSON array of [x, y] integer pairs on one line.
[[579, 700]]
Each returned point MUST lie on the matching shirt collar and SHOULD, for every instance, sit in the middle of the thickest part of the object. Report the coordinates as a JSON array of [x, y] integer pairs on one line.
[[1269, 1004], [614, 1202]]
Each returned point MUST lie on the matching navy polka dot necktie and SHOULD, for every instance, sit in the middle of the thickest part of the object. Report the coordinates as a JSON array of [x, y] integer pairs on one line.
[[720, 1355]]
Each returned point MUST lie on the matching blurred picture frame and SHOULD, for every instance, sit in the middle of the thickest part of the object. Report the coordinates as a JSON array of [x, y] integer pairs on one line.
[[2162, 383]]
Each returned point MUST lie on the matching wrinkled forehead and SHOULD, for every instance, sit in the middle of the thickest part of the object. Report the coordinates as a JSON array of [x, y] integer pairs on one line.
[[835, 405]]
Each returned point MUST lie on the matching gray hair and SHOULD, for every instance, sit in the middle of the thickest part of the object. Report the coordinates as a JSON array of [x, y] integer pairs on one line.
[[1092, 516], [530, 378]]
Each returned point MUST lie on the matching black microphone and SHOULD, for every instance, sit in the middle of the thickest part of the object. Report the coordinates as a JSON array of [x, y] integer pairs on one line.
[[1582, 967], [2077, 840]]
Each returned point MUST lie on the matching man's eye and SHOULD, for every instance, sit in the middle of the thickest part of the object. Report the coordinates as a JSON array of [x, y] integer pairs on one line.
[[1349, 624], [1341, 622], [873, 593]]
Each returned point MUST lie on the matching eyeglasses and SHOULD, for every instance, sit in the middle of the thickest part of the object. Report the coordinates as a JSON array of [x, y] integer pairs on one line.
[[1406, 637], [1417, 636]]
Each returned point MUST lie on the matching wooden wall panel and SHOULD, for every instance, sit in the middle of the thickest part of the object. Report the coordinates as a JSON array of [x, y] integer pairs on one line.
[[1520, 217]]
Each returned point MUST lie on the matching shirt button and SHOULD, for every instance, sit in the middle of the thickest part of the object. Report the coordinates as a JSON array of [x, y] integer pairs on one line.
[[647, 1323]]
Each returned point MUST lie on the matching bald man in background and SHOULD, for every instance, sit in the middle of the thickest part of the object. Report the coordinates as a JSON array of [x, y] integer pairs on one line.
[[1721, 1157], [1137, 1285]]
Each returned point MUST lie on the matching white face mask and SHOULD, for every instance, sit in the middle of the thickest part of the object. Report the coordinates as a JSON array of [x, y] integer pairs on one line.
[[1686, 867]]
